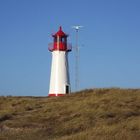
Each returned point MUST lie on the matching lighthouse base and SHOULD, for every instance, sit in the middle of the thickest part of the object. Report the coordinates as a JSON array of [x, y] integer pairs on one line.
[[52, 95]]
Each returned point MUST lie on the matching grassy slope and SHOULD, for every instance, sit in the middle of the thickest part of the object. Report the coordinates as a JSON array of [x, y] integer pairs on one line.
[[99, 114]]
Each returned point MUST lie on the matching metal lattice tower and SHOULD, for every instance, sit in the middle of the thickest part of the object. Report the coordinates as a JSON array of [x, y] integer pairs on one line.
[[77, 81]]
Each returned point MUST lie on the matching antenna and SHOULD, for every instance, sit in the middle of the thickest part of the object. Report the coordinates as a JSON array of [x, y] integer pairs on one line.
[[77, 81]]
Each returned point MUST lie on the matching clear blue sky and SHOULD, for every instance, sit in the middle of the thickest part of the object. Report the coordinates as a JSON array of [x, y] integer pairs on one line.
[[109, 41]]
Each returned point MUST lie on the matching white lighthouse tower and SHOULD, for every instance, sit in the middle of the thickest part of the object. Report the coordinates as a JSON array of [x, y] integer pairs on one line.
[[59, 80]]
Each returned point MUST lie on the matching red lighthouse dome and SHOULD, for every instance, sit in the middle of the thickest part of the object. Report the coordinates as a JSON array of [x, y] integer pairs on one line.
[[60, 41], [60, 33]]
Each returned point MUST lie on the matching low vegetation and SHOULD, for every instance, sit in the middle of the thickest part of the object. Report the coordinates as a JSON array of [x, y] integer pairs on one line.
[[94, 114]]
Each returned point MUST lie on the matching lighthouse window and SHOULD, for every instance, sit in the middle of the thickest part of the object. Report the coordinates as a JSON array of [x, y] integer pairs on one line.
[[55, 39], [60, 39], [64, 40]]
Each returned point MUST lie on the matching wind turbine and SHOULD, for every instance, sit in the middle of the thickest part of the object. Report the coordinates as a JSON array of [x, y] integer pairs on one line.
[[77, 81]]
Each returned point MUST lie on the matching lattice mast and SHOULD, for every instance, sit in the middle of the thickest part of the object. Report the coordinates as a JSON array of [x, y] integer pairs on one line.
[[77, 75]]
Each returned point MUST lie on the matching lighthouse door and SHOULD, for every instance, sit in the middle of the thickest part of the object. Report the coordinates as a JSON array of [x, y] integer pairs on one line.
[[67, 89]]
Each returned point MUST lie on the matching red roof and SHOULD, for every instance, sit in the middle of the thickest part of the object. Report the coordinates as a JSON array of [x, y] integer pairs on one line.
[[60, 33]]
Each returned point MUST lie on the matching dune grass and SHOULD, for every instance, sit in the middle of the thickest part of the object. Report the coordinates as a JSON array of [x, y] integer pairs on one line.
[[93, 114]]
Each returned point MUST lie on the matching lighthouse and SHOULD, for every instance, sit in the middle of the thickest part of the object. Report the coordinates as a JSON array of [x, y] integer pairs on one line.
[[59, 79]]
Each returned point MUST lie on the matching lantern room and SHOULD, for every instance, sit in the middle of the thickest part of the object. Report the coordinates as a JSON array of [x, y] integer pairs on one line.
[[59, 42]]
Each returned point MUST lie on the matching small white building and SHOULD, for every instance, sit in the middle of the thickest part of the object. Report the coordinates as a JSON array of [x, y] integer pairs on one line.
[[59, 80]]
